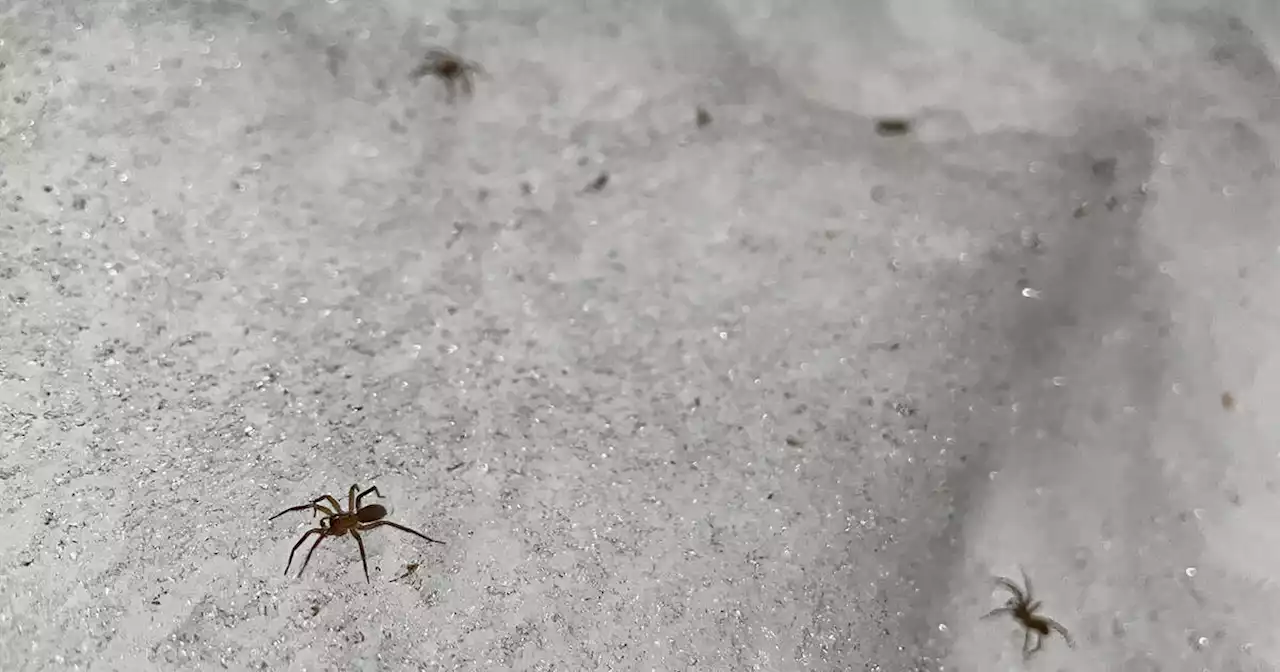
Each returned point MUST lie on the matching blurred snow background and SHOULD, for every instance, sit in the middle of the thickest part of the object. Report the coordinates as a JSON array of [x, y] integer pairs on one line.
[[783, 395]]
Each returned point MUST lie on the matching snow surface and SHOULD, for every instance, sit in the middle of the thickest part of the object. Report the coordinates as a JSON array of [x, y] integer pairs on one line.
[[784, 394]]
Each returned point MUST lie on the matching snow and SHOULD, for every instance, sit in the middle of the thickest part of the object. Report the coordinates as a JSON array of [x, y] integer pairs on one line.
[[781, 394]]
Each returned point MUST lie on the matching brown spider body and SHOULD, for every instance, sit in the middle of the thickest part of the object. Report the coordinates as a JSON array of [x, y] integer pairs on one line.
[[1023, 609], [371, 513], [446, 66], [337, 523]]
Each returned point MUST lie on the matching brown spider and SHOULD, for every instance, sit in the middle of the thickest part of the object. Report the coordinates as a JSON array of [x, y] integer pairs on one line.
[[336, 523], [449, 68], [1023, 609]]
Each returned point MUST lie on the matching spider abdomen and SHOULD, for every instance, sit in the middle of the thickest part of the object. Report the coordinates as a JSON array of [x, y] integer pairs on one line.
[[371, 512]]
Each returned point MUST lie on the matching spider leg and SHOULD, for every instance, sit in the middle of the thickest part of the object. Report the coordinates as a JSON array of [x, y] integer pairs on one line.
[[301, 507], [1061, 631], [351, 497], [398, 526], [1027, 653], [998, 612], [337, 508], [1011, 587], [363, 558], [1026, 582], [1026, 644], [312, 505], [320, 508], [308, 559], [362, 495], [314, 530]]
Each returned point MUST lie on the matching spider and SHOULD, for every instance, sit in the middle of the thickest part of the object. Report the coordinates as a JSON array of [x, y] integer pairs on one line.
[[336, 523], [449, 68], [1023, 609]]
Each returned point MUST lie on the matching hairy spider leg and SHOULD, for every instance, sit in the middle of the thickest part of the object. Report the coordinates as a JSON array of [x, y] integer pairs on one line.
[[1026, 582], [402, 528], [1011, 587], [999, 612], [318, 509], [363, 558], [314, 530], [313, 550], [1061, 631], [362, 495], [353, 500], [313, 505], [300, 507]]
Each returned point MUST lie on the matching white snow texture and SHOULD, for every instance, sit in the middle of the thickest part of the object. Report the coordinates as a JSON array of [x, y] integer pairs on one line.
[[691, 363]]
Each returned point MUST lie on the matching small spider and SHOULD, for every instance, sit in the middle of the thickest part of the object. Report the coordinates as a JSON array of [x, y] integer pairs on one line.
[[336, 523], [449, 68], [1023, 609]]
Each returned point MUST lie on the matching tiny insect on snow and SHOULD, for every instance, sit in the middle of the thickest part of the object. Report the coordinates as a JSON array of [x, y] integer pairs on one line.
[[336, 523], [1022, 607], [456, 72]]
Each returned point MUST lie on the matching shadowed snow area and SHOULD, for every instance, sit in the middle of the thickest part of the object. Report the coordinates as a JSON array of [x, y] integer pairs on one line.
[[691, 363]]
